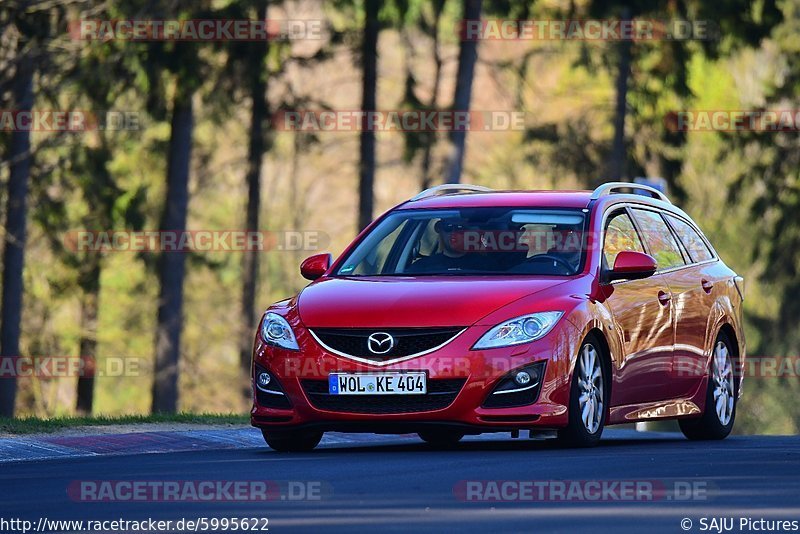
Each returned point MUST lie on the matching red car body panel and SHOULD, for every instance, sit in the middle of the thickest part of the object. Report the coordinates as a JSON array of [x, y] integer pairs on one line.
[[444, 300], [659, 332]]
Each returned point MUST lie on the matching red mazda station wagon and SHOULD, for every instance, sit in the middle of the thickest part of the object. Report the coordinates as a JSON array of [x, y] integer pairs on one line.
[[466, 310]]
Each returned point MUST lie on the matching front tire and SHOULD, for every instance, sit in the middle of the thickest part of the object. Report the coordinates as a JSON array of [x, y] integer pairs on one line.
[[292, 440], [720, 411], [588, 398]]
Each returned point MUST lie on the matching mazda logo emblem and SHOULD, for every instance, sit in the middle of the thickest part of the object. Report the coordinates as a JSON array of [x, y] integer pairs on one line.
[[380, 343]]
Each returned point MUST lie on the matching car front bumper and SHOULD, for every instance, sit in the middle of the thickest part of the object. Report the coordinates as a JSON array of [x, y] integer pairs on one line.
[[459, 382]]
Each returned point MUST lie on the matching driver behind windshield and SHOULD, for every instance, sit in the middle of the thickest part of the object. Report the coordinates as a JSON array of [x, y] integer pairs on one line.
[[551, 249], [451, 254], [567, 247]]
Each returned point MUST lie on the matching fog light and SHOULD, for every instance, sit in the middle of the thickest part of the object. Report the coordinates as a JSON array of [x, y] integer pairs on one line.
[[264, 379], [523, 378]]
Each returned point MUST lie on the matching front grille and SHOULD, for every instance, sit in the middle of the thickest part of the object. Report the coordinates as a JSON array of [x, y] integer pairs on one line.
[[512, 400], [441, 394], [271, 400], [407, 341]]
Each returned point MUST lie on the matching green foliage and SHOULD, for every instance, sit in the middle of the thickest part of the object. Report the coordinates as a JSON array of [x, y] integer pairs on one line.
[[743, 189]]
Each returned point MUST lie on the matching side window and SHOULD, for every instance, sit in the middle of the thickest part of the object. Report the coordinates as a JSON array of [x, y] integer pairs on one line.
[[660, 241], [620, 235], [698, 250]]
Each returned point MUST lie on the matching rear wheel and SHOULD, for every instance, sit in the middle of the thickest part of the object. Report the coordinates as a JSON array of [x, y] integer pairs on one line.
[[292, 440], [720, 411], [440, 438], [588, 398]]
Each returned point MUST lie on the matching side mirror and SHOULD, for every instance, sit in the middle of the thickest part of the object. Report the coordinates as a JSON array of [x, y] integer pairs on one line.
[[315, 266], [631, 265]]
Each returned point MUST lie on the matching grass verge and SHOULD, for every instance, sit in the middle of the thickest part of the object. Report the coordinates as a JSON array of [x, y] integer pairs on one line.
[[36, 425]]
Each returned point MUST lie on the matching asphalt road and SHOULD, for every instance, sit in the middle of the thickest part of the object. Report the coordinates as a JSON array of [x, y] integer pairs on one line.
[[399, 484]]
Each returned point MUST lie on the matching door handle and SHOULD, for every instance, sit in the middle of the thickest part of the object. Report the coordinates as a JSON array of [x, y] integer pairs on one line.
[[664, 298], [707, 286]]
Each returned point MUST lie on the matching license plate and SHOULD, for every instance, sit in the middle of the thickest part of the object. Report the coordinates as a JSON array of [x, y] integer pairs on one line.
[[378, 384]]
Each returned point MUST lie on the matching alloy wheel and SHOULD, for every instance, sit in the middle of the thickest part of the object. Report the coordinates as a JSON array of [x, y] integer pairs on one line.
[[590, 385], [723, 383]]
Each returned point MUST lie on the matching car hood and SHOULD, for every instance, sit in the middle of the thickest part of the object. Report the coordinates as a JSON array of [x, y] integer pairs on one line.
[[409, 302]]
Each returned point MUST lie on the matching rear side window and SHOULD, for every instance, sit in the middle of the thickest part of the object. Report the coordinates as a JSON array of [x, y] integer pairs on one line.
[[697, 247], [659, 240], [620, 235]]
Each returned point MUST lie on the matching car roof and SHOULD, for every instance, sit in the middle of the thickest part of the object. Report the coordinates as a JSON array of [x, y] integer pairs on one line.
[[509, 199], [475, 197]]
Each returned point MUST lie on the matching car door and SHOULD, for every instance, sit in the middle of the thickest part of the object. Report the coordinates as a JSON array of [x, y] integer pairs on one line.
[[693, 294], [643, 320], [673, 265]]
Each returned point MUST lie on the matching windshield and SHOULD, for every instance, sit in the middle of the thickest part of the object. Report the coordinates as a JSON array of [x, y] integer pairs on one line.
[[470, 241]]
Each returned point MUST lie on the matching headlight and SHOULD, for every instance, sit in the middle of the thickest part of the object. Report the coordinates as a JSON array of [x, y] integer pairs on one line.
[[276, 331], [519, 330]]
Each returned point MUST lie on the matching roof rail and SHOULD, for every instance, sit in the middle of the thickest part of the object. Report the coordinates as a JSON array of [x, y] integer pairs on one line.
[[450, 188], [612, 187]]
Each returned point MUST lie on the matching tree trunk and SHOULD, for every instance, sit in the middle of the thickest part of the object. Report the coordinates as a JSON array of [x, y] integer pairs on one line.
[[369, 59], [616, 166], [255, 155], [467, 57], [171, 265], [434, 101], [15, 232], [90, 285]]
